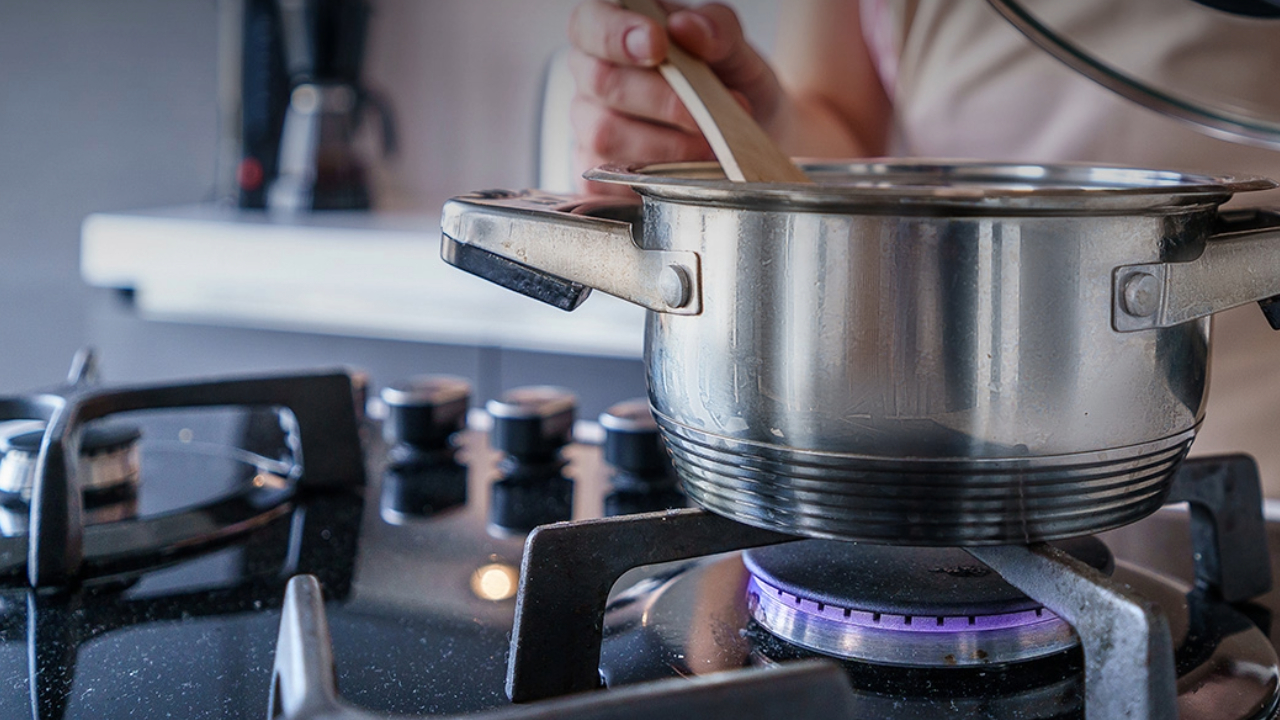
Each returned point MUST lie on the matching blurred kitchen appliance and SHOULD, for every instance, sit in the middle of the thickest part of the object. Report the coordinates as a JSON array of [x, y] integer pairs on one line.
[[300, 103]]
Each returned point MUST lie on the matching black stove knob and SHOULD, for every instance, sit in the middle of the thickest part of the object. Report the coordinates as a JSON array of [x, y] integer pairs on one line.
[[533, 423], [530, 425], [424, 411], [631, 442], [422, 476], [643, 479]]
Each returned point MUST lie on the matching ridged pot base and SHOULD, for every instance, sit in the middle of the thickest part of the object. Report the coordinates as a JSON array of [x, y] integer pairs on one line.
[[914, 501]]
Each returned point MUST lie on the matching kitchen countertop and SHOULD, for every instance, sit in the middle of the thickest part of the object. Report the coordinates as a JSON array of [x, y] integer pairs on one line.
[[353, 273], [50, 316]]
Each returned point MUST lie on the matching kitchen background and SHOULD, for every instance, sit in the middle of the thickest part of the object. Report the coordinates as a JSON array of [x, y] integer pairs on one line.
[[111, 107]]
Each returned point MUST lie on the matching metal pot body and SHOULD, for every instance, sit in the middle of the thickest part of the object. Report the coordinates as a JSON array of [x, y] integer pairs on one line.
[[926, 372], [923, 378]]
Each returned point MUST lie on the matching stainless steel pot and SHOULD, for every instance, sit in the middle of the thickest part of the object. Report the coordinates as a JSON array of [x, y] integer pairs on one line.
[[935, 354]]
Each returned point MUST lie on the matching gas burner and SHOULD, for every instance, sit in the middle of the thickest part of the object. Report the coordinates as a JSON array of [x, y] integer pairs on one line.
[[921, 607], [1149, 646], [109, 471], [695, 619]]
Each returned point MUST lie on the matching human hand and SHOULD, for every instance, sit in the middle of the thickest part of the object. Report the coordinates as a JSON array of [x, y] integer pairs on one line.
[[624, 112]]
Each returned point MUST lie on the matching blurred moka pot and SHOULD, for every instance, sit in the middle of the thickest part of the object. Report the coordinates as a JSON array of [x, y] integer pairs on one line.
[[301, 102]]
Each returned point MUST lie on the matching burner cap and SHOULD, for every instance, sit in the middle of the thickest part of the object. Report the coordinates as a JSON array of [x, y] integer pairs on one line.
[[904, 605], [95, 440], [27, 441], [109, 460], [901, 580], [100, 439]]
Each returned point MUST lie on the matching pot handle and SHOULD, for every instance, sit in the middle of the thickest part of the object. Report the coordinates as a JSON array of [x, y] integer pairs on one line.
[[1240, 264], [553, 248]]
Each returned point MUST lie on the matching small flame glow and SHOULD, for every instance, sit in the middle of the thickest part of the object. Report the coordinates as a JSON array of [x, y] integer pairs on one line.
[[495, 581]]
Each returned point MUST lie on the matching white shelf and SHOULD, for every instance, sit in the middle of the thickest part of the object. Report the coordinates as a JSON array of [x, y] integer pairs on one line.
[[346, 273]]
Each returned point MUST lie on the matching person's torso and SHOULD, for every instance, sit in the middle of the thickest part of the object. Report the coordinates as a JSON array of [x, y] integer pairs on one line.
[[966, 84]]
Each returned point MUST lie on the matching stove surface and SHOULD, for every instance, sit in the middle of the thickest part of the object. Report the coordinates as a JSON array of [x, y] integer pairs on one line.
[[415, 625], [419, 595]]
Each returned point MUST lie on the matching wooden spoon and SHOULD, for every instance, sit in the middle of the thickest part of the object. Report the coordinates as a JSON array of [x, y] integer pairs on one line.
[[745, 152]]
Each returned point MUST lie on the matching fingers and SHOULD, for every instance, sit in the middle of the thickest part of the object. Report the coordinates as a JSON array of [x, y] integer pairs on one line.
[[713, 33], [623, 111], [605, 31], [608, 136], [637, 92]]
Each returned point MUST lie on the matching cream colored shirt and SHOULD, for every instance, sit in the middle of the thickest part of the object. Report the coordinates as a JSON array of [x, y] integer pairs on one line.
[[966, 84]]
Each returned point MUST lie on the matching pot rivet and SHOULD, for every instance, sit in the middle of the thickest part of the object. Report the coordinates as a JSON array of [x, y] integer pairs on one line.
[[1140, 296], [673, 285]]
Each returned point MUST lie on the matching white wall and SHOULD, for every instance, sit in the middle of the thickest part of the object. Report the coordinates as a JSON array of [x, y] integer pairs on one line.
[[102, 106]]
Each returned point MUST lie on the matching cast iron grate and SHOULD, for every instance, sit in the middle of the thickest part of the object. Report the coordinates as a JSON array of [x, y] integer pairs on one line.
[[569, 569], [59, 549]]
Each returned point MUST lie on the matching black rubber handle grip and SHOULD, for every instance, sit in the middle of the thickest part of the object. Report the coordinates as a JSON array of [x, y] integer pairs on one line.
[[528, 281]]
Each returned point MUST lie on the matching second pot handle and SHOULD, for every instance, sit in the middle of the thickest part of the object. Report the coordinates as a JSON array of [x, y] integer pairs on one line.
[[552, 248], [1240, 264]]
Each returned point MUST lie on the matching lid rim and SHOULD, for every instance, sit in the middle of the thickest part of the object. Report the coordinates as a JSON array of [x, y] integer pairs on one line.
[[956, 183]]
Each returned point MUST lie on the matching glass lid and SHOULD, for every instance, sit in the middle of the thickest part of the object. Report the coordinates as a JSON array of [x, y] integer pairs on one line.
[[1211, 63]]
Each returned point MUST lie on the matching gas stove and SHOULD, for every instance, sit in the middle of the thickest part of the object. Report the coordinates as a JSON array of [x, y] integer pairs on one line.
[[305, 545]]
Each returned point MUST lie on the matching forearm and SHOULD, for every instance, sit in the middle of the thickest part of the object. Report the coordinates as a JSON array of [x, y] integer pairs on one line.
[[812, 127], [836, 105]]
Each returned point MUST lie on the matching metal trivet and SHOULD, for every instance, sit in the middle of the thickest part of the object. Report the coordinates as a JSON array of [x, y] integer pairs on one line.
[[56, 626], [569, 569], [303, 687], [59, 549]]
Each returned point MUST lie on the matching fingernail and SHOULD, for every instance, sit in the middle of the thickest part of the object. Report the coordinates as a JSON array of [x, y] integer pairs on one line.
[[702, 22], [636, 43]]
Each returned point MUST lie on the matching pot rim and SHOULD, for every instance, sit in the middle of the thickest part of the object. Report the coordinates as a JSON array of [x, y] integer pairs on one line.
[[1079, 187]]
